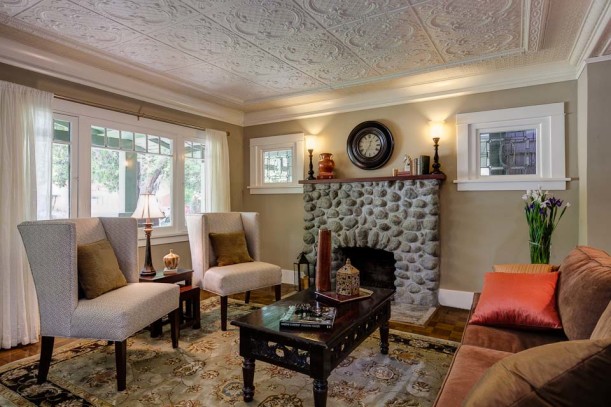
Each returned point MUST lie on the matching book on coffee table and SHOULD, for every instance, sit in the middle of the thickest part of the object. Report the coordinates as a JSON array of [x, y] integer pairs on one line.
[[304, 316], [335, 298]]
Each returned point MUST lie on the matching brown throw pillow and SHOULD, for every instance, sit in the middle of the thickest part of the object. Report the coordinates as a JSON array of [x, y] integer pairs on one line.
[[584, 290], [569, 373], [98, 269], [230, 248]]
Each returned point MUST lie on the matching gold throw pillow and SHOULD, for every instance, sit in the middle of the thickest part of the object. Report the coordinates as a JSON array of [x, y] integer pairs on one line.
[[98, 269], [230, 248]]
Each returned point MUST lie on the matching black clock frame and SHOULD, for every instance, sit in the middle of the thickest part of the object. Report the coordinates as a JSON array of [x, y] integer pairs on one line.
[[387, 144]]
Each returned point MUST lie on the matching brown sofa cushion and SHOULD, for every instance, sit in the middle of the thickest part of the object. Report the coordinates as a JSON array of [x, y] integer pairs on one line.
[[468, 366], [584, 290], [98, 269], [230, 248], [603, 326], [572, 373]]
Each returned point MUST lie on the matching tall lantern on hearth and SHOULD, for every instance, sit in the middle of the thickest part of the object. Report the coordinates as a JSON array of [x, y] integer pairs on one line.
[[304, 271]]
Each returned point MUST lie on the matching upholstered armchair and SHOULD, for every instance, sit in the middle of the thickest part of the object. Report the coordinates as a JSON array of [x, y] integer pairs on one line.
[[234, 278], [51, 247]]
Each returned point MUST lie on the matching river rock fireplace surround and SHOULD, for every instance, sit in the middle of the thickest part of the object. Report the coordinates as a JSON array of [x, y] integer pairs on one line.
[[399, 215]]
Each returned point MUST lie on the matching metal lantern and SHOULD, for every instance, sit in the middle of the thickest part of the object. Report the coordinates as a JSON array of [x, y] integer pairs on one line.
[[304, 272]]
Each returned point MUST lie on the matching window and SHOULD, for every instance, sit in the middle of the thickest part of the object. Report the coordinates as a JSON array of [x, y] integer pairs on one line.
[[103, 160], [125, 164], [511, 149], [276, 164]]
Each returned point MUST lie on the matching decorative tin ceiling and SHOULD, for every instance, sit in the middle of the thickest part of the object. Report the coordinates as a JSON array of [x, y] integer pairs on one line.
[[250, 51]]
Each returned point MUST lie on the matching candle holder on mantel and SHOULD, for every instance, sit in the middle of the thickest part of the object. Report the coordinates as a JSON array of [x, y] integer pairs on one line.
[[436, 164], [311, 171]]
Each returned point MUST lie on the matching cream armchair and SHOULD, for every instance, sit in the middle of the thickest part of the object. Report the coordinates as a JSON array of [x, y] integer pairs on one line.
[[51, 247], [236, 278]]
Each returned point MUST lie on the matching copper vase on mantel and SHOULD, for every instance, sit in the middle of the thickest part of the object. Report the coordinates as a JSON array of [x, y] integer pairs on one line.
[[326, 166]]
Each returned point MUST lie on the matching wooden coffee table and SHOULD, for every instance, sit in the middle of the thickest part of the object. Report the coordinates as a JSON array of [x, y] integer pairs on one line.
[[312, 352]]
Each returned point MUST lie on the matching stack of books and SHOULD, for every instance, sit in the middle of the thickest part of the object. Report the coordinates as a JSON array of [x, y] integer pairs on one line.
[[306, 316]]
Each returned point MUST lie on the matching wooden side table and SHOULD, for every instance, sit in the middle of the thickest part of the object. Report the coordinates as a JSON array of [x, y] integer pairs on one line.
[[188, 293]]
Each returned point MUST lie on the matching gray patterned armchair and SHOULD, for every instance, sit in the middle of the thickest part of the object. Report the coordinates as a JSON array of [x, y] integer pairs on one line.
[[51, 247], [235, 278]]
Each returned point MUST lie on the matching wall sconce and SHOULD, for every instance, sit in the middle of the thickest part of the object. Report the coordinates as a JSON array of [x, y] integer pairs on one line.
[[436, 131], [310, 142]]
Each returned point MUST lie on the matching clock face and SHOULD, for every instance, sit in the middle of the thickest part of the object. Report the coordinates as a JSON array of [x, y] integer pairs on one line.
[[370, 145]]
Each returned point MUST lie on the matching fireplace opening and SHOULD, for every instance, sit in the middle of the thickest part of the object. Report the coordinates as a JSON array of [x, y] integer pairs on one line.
[[377, 266]]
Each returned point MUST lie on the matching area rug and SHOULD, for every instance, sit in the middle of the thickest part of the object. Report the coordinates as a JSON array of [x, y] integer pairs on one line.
[[411, 314], [206, 371]]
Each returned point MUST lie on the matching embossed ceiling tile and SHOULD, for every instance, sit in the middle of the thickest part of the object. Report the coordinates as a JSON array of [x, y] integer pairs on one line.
[[215, 44], [263, 20], [222, 83], [152, 54], [14, 7], [141, 15], [77, 23], [331, 13], [461, 31], [391, 42]]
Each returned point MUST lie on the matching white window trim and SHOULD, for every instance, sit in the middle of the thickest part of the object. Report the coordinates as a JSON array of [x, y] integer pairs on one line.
[[258, 146], [548, 120], [84, 117]]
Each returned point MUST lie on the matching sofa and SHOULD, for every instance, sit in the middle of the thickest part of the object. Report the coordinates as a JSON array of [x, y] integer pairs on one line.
[[561, 363]]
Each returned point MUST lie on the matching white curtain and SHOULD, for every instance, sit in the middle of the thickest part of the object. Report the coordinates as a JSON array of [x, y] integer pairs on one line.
[[216, 168], [26, 137]]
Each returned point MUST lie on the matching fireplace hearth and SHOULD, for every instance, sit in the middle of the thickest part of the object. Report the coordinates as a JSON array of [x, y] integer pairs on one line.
[[400, 217]]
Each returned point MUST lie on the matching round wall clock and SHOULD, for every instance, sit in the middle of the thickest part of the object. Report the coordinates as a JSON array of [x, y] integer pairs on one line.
[[370, 145]]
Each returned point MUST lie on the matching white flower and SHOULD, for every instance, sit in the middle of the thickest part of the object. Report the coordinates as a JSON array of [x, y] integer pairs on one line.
[[568, 204], [525, 197]]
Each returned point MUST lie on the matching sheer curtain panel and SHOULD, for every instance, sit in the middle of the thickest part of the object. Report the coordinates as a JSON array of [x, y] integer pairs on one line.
[[216, 169], [26, 137]]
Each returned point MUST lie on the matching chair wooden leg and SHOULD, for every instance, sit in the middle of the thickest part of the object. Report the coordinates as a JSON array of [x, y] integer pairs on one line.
[[247, 297], [278, 291], [121, 362], [175, 326], [196, 312], [224, 313], [46, 351]]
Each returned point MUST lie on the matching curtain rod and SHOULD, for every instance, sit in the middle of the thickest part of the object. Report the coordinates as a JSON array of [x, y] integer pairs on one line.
[[130, 112]]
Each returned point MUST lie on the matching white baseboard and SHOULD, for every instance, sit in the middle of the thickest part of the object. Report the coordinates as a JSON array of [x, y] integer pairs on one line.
[[455, 299], [288, 277]]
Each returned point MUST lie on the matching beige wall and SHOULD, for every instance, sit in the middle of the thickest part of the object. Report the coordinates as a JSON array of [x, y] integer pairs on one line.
[[478, 229], [598, 154]]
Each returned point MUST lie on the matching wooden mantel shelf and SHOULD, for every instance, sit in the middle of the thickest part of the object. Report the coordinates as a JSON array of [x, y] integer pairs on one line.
[[440, 177]]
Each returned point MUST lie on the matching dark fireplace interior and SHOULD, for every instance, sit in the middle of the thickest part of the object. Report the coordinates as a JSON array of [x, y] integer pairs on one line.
[[377, 266]]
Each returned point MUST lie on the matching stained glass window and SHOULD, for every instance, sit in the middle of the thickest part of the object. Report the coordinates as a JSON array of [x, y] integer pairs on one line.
[[277, 166], [508, 153]]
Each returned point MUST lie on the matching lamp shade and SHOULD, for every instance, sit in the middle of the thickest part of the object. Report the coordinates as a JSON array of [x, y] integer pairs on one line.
[[147, 207]]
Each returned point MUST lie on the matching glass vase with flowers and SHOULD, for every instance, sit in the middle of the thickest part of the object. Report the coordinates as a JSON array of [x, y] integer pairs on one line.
[[543, 212]]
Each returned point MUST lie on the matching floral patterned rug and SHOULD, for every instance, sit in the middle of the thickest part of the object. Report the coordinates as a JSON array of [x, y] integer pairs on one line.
[[206, 371]]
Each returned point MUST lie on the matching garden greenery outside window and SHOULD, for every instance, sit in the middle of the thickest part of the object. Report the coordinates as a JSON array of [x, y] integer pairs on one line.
[[103, 160]]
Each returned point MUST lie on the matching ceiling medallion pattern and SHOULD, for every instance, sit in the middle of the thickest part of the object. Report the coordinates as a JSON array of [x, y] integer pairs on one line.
[[246, 51]]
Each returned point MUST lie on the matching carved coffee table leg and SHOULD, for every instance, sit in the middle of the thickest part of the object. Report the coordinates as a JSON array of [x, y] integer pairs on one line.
[[248, 371], [320, 392], [384, 338]]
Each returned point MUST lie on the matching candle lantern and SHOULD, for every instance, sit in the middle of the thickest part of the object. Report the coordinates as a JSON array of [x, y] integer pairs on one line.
[[304, 272]]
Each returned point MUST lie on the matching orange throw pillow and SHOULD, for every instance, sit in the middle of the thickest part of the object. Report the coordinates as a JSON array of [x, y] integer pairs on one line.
[[517, 300]]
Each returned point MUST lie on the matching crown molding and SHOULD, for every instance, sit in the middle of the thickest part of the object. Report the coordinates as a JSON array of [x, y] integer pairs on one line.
[[591, 31], [37, 60], [506, 79]]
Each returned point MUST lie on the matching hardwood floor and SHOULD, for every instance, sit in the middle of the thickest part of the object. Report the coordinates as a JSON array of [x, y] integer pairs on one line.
[[447, 323]]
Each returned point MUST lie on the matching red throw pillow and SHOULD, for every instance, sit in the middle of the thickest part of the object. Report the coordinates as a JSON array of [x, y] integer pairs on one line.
[[518, 300]]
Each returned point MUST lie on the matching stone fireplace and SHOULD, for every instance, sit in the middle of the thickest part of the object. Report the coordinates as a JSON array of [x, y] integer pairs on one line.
[[390, 224]]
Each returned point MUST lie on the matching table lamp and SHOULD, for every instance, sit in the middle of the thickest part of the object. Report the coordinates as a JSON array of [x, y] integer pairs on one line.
[[147, 208]]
